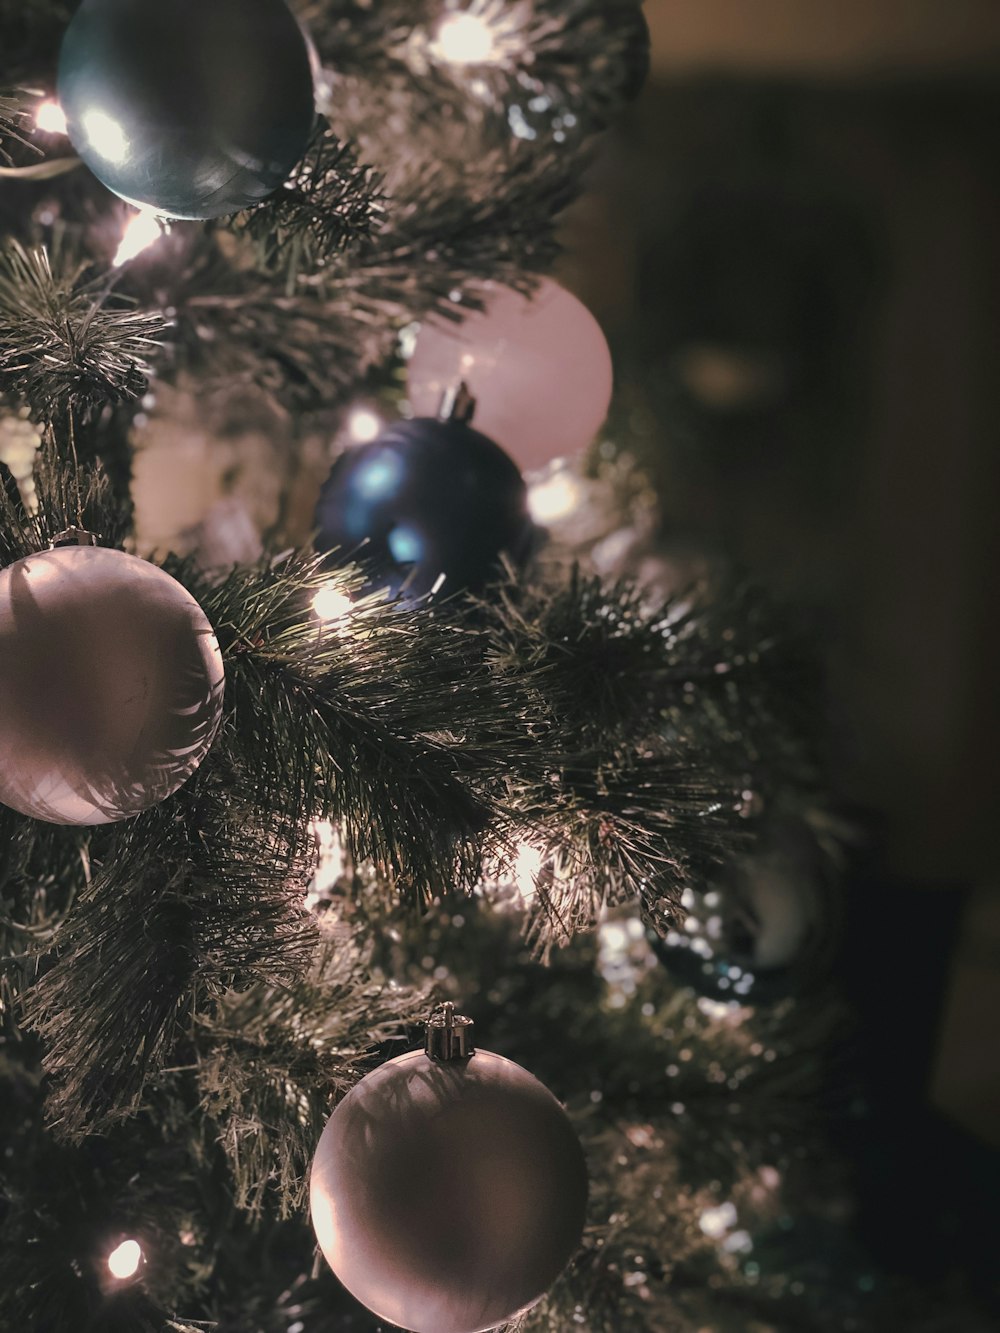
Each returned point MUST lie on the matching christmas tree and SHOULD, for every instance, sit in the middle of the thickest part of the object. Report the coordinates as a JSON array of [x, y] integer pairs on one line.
[[419, 731]]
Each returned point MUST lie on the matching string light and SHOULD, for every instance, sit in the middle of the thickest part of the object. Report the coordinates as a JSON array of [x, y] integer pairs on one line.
[[50, 118], [364, 425], [527, 868], [141, 231], [124, 1260], [331, 603], [465, 39], [553, 498]]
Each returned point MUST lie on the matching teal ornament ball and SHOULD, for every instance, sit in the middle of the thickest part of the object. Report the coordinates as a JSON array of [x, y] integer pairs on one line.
[[192, 108], [448, 1197]]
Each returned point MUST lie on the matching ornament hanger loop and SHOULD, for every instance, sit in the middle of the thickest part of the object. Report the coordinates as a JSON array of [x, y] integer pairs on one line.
[[449, 1035]]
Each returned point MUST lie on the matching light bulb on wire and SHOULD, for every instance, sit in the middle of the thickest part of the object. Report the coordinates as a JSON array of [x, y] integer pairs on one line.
[[364, 425], [124, 1260], [50, 118], [142, 230], [463, 38], [331, 603]]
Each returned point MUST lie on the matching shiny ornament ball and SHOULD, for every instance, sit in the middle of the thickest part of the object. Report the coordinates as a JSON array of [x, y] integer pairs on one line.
[[192, 108], [447, 1197], [428, 507], [769, 925], [111, 685], [539, 368]]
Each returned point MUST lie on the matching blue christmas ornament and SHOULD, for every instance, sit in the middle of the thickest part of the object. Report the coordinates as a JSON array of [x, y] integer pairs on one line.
[[194, 108], [426, 508]]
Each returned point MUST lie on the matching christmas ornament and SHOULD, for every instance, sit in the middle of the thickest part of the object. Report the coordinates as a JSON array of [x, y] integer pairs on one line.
[[448, 1189], [538, 366], [428, 506], [767, 927], [111, 680], [194, 108]]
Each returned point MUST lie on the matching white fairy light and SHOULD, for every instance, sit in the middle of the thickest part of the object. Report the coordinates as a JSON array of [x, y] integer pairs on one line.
[[330, 861], [464, 39], [331, 603], [527, 868], [553, 498], [716, 1222], [51, 118], [364, 425], [124, 1260], [142, 230]]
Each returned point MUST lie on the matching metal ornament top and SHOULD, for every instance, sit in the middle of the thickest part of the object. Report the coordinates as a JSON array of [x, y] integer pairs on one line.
[[449, 1035], [457, 404]]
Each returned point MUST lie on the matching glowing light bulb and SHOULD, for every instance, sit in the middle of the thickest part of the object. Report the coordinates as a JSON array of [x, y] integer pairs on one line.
[[715, 1222], [464, 39], [50, 118], [331, 603], [141, 231], [105, 136], [553, 498], [125, 1260], [527, 868], [364, 425]]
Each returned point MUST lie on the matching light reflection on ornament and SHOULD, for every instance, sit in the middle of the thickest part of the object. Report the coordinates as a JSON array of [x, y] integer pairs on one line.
[[331, 602], [142, 230], [124, 1260], [105, 136], [50, 118], [464, 39]]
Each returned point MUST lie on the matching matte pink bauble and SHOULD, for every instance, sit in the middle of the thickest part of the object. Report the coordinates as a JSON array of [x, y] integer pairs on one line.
[[448, 1197], [111, 685], [539, 369]]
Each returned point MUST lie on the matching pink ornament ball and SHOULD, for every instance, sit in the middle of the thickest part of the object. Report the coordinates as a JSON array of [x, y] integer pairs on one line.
[[448, 1197], [111, 685], [539, 368]]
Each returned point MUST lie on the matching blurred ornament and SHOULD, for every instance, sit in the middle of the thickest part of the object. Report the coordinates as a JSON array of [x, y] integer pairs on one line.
[[429, 506], [112, 685], [191, 109], [448, 1190], [539, 367], [766, 927]]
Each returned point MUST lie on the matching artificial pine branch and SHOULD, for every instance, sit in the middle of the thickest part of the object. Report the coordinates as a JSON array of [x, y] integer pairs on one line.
[[328, 202], [67, 345], [273, 1062], [213, 903]]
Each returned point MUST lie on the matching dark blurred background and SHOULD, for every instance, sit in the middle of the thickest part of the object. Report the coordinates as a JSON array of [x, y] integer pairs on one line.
[[793, 246]]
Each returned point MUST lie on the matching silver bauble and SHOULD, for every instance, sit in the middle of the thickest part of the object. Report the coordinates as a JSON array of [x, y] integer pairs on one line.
[[111, 685], [447, 1197]]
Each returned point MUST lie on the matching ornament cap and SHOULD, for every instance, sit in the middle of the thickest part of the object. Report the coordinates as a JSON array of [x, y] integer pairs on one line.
[[74, 536], [457, 403], [449, 1035]]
